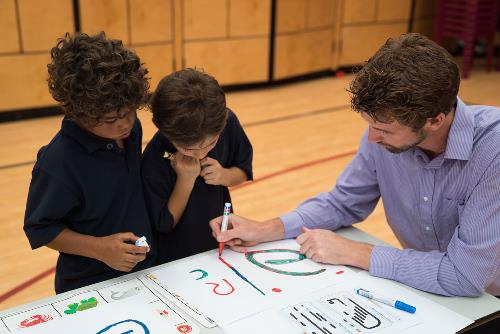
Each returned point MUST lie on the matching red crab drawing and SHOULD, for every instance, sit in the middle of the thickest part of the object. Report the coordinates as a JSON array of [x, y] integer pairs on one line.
[[35, 320]]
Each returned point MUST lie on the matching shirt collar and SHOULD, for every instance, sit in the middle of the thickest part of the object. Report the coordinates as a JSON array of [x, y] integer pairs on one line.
[[90, 142], [461, 135]]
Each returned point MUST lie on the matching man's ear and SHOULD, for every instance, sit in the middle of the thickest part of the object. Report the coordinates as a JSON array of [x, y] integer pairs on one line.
[[435, 123]]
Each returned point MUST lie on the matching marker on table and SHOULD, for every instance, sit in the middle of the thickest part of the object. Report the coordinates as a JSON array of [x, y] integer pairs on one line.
[[391, 302], [225, 220]]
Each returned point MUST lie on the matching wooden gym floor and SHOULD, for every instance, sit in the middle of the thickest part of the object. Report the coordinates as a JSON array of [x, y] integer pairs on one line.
[[303, 135]]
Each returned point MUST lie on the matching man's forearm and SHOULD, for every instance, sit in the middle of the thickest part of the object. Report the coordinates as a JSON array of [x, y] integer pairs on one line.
[[359, 255], [428, 271], [272, 229]]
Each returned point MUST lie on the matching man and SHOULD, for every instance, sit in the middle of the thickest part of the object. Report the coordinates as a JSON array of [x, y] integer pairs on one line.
[[433, 160]]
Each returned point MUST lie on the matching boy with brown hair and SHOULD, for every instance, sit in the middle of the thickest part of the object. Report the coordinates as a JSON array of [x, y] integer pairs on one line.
[[85, 198], [199, 151]]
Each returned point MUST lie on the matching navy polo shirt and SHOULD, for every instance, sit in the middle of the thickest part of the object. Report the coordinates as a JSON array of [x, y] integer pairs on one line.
[[192, 234], [89, 185]]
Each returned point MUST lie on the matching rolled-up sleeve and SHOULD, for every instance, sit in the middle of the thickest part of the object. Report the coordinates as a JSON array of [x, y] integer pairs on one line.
[[353, 198], [471, 262]]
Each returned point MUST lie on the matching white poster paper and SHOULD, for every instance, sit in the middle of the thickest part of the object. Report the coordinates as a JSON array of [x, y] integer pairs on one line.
[[239, 285]]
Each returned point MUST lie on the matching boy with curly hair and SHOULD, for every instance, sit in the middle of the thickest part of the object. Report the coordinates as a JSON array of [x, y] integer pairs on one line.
[[199, 151], [85, 198]]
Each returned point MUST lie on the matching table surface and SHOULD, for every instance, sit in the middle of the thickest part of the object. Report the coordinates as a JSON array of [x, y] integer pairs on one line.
[[473, 308]]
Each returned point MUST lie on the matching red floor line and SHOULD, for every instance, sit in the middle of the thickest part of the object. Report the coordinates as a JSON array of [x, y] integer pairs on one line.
[[26, 284], [48, 272], [294, 168]]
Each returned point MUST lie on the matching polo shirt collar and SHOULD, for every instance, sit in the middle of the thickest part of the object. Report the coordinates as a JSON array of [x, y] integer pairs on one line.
[[90, 142]]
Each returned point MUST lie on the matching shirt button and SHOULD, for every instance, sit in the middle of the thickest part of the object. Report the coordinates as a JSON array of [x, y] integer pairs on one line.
[[427, 228], [426, 198], [109, 146]]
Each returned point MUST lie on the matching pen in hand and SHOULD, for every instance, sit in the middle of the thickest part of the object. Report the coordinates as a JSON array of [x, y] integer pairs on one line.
[[225, 220]]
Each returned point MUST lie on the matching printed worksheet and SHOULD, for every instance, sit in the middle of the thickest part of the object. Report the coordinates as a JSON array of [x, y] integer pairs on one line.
[[71, 305], [175, 298], [340, 310], [132, 315]]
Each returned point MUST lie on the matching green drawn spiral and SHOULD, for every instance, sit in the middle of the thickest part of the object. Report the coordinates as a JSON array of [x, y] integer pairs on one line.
[[300, 257]]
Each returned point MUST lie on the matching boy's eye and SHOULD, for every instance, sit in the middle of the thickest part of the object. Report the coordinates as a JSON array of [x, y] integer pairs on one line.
[[110, 120]]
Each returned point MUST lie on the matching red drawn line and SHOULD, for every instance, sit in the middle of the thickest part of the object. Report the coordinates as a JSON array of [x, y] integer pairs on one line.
[[48, 272], [225, 262], [26, 284]]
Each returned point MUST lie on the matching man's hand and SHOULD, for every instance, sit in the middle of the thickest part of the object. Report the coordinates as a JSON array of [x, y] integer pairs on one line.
[[327, 247], [213, 172], [243, 233], [120, 255]]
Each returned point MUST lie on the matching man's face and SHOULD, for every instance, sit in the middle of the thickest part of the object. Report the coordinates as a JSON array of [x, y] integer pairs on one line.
[[393, 136], [115, 125]]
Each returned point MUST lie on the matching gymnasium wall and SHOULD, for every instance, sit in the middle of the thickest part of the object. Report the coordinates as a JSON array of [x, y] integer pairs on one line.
[[240, 42]]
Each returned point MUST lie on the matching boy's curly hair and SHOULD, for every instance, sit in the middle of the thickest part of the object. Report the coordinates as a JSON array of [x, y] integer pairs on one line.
[[91, 76], [189, 105], [409, 79]]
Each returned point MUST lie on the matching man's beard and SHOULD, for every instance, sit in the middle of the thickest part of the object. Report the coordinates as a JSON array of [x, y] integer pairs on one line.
[[396, 150]]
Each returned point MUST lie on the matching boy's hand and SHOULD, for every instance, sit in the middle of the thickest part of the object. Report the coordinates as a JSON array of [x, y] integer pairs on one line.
[[120, 255], [186, 168], [213, 172]]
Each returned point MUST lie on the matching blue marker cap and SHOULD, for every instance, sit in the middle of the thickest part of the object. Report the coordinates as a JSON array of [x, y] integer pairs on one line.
[[405, 307]]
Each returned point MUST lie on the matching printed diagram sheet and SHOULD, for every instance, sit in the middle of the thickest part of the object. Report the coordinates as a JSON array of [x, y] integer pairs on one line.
[[132, 315], [94, 299], [340, 310], [179, 301]]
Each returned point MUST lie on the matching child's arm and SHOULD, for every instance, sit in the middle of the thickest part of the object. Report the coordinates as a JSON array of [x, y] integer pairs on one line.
[[113, 250], [215, 174], [240, 155], [187, 170]]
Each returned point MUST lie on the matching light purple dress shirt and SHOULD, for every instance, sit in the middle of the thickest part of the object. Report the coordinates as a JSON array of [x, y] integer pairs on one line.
[[444, 211]]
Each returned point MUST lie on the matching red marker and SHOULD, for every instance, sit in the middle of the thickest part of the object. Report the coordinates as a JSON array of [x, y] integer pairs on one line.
[[225, 220]]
